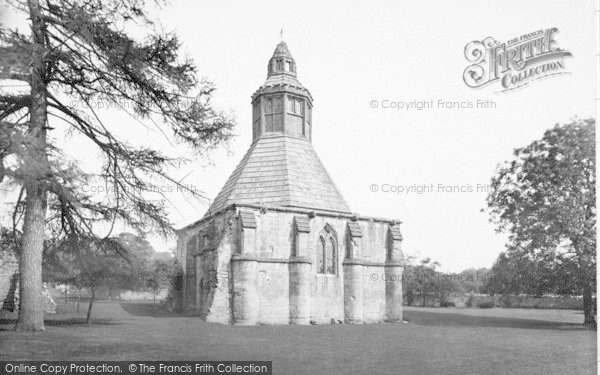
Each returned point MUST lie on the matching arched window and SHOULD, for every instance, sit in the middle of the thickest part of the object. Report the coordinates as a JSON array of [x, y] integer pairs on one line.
[[327, 252], [330, 254], [321, 255]]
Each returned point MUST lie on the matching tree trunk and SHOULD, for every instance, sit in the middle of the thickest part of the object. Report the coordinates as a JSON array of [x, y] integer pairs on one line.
[[35, 163], [589, 320], [31, 313], [89, 312]]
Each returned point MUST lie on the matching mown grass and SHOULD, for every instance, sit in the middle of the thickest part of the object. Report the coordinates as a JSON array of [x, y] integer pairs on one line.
[[434, 341]]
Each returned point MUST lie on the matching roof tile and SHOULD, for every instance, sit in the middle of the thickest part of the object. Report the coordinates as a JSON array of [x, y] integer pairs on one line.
[[284, 171], [302, 224], [395, 230], [355, 229], [248, 219]]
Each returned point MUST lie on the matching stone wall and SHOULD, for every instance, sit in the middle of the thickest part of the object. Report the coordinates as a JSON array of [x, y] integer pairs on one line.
[[525, 302], [9, 268], [273, 293], [247, 266], [130, 295], [218, 308], [374, 299], [205, 251]]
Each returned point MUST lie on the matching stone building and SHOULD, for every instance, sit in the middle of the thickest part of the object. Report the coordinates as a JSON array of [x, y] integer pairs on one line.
[[279, 243]]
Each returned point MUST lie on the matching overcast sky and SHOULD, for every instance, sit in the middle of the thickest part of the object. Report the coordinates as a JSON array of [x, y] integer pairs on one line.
[[353, 53]]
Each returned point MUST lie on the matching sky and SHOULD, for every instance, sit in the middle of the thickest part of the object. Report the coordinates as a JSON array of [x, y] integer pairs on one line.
[[430, 167]]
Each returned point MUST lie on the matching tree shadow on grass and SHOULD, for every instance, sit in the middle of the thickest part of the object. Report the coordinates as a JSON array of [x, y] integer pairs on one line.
[[10, 323], [149, 309], [82, 321], [438, 319]]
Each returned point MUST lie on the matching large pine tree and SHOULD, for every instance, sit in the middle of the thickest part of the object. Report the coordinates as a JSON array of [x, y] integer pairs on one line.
[[78, 54]]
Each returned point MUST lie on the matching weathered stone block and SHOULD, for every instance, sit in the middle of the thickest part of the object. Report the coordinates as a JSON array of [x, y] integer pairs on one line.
[[245, 290]]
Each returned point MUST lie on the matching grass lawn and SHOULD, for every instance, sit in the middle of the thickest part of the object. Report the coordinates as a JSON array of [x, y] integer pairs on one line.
[[434, 341]]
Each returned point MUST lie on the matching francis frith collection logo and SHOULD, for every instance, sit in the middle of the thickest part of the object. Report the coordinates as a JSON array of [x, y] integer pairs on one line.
[[514, 63]]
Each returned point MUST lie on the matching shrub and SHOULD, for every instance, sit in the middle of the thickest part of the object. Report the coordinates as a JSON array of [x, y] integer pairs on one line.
[[469, 302], [485, 304], [505, 301], [447, 304]]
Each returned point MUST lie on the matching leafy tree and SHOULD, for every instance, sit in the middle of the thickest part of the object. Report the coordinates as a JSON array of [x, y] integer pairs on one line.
[[416, 281], [91, 263], [139, 253], [545, 200], [473, 280], [518, 272], [161, 272], [77, 55], [423, 279], [85, 262]]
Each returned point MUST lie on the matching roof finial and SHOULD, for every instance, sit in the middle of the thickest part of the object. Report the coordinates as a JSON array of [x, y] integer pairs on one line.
[[281, 34]]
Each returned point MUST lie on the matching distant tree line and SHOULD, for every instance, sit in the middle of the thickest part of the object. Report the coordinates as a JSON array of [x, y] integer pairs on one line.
[[423, 283]]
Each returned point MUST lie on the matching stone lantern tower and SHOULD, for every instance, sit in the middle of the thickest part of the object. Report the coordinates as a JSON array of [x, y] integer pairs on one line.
[[282, 104]]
